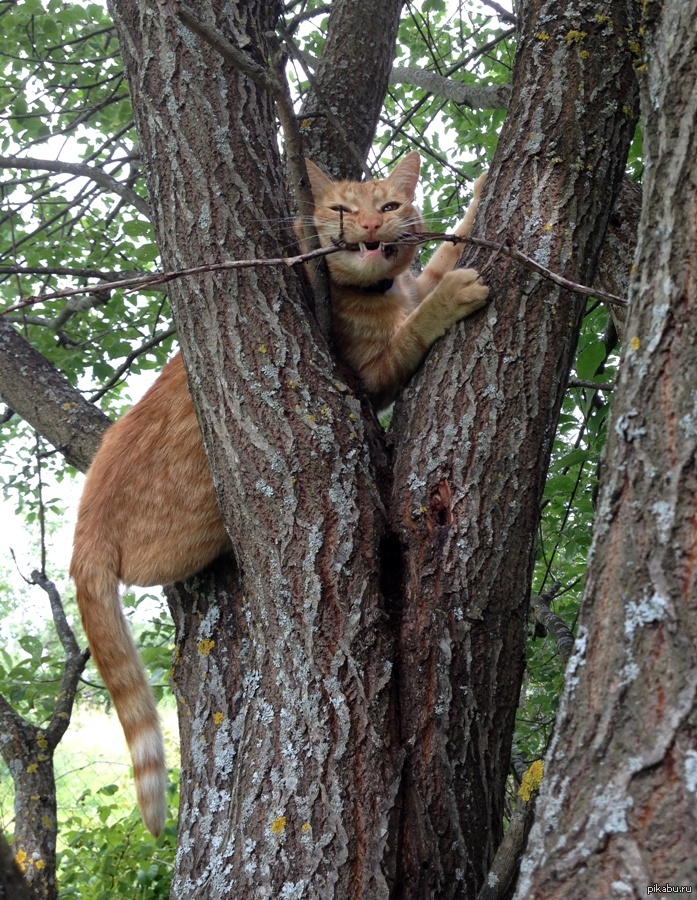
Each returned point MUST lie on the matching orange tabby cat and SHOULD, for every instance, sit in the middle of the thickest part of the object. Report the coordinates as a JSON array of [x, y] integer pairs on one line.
[[148, 513], [385, 319]]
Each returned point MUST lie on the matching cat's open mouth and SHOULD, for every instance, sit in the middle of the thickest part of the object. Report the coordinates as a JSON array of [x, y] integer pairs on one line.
[[372, 248]]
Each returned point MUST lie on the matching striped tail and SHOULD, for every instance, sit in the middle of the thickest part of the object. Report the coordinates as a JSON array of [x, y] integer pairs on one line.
[[122, 670]]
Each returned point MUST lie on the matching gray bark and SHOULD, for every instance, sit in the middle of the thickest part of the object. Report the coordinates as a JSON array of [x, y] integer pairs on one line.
[[617, 809], [473, 435], [293, 781], [32, 386]]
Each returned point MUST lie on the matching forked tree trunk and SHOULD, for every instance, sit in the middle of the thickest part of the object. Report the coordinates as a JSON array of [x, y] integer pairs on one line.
[[618, 803], [317, 761]]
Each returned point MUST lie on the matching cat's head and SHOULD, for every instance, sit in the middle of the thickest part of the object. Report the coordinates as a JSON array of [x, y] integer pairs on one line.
[[370, 214]]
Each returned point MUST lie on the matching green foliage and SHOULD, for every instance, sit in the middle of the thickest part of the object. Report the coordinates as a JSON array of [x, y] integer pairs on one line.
[[106, 853], [566, 524], [66, 100]]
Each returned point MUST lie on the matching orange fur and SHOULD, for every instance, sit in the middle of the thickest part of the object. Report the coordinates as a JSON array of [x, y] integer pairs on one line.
[[384, 335], [148, 513]]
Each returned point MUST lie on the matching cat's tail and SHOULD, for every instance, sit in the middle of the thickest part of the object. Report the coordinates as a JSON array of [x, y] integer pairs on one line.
[[120, 666]]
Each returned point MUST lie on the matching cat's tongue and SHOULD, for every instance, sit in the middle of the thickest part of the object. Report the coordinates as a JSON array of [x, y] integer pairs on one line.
[[370, 249]]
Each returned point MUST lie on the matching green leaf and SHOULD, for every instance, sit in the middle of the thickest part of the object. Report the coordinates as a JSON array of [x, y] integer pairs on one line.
[[589, 360]]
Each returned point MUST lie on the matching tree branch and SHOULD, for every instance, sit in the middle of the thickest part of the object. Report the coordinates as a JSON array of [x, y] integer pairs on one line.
[[103, 179], [506, 863], [75, 662], [560, 631], [128, 362], [36, 390], [493, 96], [157, 278]]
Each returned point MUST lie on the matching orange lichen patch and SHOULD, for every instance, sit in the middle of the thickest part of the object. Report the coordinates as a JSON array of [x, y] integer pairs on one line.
[[278, 826], [205, 646]]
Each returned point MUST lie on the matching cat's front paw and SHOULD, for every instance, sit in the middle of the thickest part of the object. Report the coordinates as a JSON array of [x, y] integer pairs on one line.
[[465, 290]]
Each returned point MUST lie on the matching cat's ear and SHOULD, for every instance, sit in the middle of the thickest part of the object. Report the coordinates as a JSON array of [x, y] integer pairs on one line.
[[405, 175], [319, 182]]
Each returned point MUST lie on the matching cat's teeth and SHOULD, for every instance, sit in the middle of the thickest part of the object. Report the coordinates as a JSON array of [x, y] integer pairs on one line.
[[381, 248], [362, 247]]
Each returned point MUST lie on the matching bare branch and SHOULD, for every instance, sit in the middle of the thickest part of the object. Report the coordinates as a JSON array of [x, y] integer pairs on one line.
[[128, 362], [506, 863], [37, 391], [560, 631], [157, 278], [75, 662], [503, 14], [594, 385]]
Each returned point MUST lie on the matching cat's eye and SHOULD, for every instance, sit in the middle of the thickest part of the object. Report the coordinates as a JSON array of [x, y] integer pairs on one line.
[[390, 207], [340, 209]]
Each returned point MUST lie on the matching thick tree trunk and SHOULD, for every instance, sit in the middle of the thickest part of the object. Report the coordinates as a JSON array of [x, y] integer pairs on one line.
[[289, 762], [617, 807], [474, 433]]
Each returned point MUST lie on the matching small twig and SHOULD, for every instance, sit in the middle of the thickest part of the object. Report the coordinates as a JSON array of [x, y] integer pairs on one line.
[[529, 263], [157, 278], [134, 354], [63, 629], [593, 385], [75, 662], [42, 509]]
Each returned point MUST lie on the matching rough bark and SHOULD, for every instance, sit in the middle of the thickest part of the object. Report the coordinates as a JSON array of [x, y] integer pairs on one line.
[[617, 809], [341, 112], [290, 455], [473, 436], [12, 883], [34, 388], [28, 752], [25, 751]]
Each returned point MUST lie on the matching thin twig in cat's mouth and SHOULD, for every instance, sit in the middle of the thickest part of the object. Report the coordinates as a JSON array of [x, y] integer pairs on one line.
[[156, 278]]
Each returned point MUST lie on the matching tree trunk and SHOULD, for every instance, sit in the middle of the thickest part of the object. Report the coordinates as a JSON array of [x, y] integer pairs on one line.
[[617, 807], [341, 112], [297, 777], [474, 433]]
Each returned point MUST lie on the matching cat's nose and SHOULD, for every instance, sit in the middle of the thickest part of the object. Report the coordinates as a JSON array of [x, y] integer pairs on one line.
[[371, 225]]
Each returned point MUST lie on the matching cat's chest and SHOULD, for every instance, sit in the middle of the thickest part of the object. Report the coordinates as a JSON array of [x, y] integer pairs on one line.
[[362, 320]]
